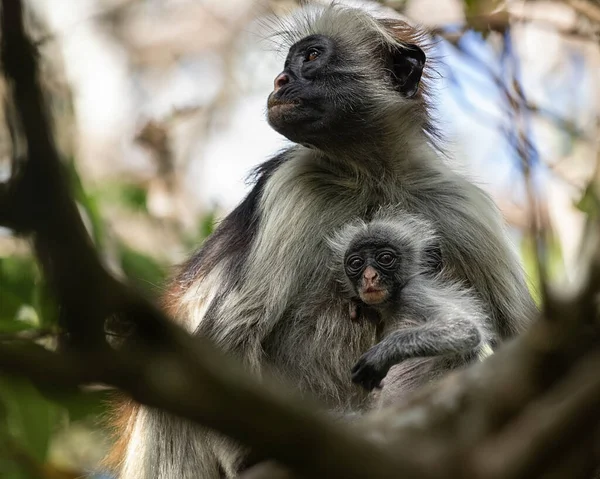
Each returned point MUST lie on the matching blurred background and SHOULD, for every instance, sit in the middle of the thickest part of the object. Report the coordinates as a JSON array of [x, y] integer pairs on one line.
[[159, 111]]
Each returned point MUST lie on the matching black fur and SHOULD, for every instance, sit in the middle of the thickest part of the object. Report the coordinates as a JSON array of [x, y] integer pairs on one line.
[[235, 234]]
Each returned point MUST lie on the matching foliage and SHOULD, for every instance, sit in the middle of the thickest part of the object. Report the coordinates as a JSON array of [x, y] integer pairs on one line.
[[554, 264], [24, 300], [589, 203], [29, 417]]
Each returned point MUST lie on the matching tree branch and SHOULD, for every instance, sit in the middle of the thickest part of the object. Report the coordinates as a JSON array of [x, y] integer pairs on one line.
[[587, 9]]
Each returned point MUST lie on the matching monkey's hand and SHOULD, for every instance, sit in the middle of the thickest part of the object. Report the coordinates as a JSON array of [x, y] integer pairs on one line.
[[354, 309], [371, 368], [361, 312]]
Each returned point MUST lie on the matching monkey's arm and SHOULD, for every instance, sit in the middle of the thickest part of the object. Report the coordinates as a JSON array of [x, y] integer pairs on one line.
[[452, 322]]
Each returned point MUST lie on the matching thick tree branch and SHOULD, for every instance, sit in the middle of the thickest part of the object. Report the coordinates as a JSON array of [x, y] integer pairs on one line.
[[40, 196], [272, 422], [546, 427]]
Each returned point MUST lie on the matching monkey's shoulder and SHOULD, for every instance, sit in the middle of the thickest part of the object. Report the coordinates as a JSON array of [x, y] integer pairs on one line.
[[450, 199], [234, 235]]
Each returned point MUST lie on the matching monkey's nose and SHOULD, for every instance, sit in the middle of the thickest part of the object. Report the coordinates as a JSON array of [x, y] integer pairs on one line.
[[370, 273], [280, 80]]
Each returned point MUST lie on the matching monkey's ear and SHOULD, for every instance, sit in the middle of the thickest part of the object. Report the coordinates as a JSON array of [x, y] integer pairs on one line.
[[407, 67]]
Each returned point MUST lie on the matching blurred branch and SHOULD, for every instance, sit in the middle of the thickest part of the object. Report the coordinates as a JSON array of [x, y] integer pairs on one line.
[[538, 221], [530, 442], [493, 22], [541, 111], [101, 15], [500, 20], [589, 10], [30, 335]]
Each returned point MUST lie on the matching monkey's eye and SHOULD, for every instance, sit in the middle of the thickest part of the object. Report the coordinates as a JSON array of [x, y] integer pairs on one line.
[[354, 264], [312, 54], [386, 259]]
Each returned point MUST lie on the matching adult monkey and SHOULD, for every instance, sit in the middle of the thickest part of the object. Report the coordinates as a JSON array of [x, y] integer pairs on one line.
[[350, 97]]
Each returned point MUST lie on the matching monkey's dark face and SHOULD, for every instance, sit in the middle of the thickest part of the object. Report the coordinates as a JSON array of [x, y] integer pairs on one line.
[[375, 272], [300, 106], [327, 93]]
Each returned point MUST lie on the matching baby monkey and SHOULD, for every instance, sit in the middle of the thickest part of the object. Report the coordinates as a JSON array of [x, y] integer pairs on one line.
[[391, 271]]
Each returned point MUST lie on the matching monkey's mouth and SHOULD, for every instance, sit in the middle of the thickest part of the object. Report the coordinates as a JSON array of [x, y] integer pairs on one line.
[[373, 295], [281, 104]]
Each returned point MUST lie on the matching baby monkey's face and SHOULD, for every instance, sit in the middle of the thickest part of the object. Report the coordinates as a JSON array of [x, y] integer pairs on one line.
[[373, 272]]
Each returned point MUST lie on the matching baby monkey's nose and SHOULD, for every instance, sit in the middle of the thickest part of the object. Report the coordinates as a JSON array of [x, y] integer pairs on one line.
[[370, 273]]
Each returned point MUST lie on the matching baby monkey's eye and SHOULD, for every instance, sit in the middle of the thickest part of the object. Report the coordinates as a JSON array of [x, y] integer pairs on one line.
[[355, 263], [312, 54], [386, 259]]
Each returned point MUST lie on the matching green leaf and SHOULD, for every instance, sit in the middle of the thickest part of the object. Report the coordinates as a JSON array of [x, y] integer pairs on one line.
[[10, 470], [145, 272], [480, 7], [9, 326], [554, 266], [88, 203], [589, 203], [80, 404], [207, 225], [129, 195], [18, 274], [45, 305], [30, 418], [18, 278], [10, 304], [471, 7], [134, 197]]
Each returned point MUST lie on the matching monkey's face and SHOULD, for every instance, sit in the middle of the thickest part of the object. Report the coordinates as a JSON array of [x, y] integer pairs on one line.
[[332, 89], [301, 106], [374, 273]]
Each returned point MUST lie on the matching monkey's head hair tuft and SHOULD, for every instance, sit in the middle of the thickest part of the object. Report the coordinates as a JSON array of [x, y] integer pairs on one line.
[[408, 234], [351, 77]]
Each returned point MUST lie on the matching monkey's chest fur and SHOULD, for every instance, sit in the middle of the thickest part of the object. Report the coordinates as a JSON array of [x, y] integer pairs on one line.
[[283, 311], [311, 340]]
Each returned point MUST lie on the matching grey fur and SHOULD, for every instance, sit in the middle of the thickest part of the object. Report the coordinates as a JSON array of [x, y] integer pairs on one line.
[[261, 290], [431, 316]]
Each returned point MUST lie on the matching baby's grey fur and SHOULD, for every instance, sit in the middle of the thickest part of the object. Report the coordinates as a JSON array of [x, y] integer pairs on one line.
[[258, 287], [430, 316]]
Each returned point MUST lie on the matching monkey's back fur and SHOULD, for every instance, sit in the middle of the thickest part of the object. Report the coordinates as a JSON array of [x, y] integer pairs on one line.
[[260, 289]]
